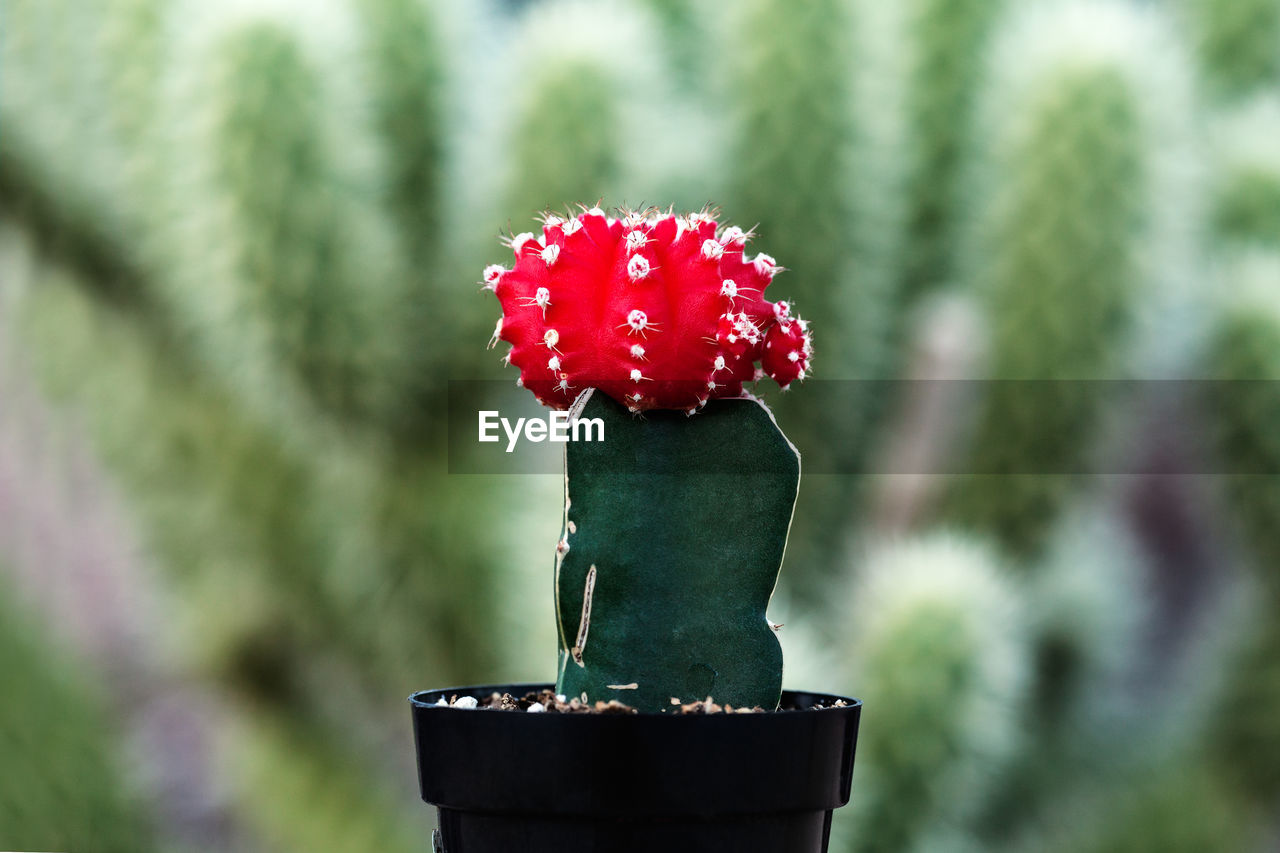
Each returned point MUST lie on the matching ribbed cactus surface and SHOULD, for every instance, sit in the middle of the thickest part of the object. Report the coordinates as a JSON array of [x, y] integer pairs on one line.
[[656, 310]]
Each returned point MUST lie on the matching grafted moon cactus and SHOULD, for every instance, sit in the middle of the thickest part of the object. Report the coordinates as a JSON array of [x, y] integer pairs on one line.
[[676, 522], [658, 311]]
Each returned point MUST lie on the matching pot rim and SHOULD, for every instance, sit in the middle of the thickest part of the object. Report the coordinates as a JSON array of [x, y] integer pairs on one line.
[[520, 689], [624, 765]]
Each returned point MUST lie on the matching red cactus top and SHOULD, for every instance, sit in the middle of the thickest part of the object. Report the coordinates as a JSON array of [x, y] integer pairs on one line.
[[658, 311]]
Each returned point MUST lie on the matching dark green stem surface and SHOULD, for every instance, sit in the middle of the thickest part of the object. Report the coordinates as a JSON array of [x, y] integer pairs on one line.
[[675, 528]]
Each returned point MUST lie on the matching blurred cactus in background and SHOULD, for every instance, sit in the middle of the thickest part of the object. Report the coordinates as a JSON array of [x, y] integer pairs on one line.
[[812, 160], [302, 793], [585, 82], [1245, 203], [64, 785], [789, 160], [284, 262], [1067, 200], [402, 48], [238, 244], [1173, 808], [1236, 42], [1244, 354], [1245, 744], [947, 41], [937, 650]]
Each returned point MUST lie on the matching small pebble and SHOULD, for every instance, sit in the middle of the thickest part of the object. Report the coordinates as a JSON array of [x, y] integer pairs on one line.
[[466, 702], [537, 708]]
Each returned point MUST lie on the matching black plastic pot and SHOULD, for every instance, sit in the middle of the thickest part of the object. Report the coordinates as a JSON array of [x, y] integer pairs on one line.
[[514, 782]]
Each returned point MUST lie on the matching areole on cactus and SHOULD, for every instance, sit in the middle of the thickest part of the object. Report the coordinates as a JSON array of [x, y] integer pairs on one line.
[[658, 311], [656, 314]]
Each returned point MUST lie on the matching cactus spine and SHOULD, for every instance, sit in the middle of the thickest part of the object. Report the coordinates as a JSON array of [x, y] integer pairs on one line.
[[937, 651]]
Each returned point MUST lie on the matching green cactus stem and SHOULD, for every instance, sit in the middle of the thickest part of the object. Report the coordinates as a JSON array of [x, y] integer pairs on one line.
[[273, 161], [133, 47], [947, 40], [674, 532], [812, 98], [407, 70], [1238, 42], [61, 786], [1245, 743], [1244, 406], [1245, 195], [792, 90], [1065, 254], [937, 647], [573, 114]]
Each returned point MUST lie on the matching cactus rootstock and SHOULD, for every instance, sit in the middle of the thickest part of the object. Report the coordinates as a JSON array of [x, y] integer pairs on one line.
[[658, 599], [658, 311]]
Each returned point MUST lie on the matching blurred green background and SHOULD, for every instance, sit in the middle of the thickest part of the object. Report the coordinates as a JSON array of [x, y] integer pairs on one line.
[[240, 245]]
